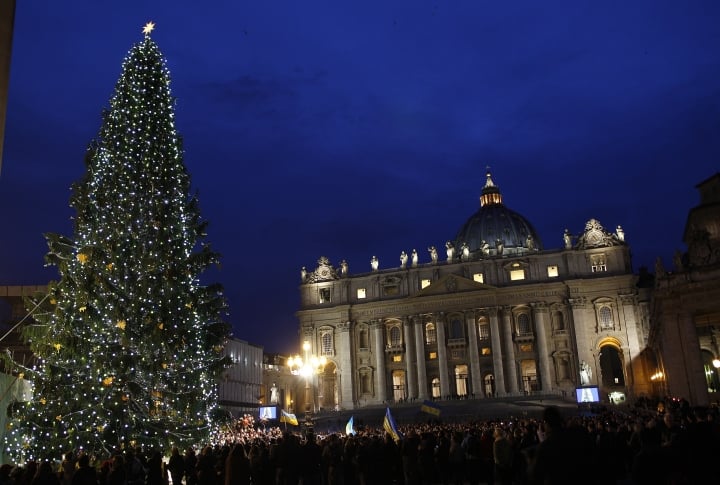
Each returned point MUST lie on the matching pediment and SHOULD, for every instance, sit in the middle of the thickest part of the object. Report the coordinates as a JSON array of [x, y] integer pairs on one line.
[[452, 283]]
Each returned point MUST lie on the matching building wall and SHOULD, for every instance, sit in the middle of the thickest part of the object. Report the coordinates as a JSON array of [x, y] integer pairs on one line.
[[241, 386], [685, 333], [433, 330]]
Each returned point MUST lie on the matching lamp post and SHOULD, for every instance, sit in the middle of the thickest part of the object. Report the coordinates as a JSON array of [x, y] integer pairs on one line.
[[307, 367]]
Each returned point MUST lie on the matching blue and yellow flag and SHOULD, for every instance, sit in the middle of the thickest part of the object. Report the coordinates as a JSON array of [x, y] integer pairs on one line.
[[390, 427], [288, 418], [430, 408], [349, 427]]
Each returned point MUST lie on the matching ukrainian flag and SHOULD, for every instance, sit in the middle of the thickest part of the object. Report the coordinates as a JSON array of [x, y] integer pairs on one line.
[[390, 427], [430, 408], [288, 418], [349, 427]]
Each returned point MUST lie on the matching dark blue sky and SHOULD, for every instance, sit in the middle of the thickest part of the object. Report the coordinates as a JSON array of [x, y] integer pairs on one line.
[[317, 128]]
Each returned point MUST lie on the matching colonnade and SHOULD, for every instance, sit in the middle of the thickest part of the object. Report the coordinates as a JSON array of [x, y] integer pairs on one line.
[[503, 366]]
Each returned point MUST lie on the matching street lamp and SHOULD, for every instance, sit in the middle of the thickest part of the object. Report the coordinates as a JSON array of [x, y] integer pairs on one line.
[[306, 367]]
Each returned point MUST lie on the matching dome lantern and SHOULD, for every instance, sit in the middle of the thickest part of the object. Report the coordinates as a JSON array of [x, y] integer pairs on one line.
[[496, 230]]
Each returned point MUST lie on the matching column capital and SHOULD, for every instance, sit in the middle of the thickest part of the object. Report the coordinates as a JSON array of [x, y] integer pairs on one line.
[[539, 306], [492, 311], [344, 327], [579, 302]]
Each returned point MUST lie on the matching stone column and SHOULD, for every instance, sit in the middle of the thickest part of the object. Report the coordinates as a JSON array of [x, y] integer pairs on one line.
[[475, 375], [510, 364], [345, 370], [442, 354], [410, 367], [421, 360], [629, 324], [579, 326], [690, 345], [378, 327], [540, 311], [496, 352]]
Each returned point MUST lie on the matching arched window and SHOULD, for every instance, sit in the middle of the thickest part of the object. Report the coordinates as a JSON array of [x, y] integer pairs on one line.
[[430, 334], [395, 337], [327, 343], [483, 330], [605, 315], [523, 324]]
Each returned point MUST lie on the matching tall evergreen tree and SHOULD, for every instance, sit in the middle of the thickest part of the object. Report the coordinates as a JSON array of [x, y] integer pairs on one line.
[[129, 343]]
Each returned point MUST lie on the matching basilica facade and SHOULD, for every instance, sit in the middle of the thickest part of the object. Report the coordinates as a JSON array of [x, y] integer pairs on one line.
[[491, 314]]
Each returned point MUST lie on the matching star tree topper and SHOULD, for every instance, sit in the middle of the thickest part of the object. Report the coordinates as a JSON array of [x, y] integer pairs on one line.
[[148, 28]]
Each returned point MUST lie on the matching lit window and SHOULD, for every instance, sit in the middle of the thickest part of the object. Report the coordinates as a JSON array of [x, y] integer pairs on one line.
[[433, 355], [430, 335], [552, 271], [517, 274], [486, 351], [479, 278], [424, 283], [483, 331], [361, 293], [395, 338], [327, 343], [324, 295], [597, 263], [397, 358]]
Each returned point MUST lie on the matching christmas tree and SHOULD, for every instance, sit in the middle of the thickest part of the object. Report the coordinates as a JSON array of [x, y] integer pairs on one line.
[[129, 344]]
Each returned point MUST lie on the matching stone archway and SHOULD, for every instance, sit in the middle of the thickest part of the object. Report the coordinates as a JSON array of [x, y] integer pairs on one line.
[[611, 361]]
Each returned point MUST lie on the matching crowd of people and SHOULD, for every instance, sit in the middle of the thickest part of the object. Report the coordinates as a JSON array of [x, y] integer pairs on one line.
[[671, 443]]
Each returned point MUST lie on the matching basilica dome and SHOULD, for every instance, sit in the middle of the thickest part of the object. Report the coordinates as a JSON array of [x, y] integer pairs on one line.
[[496, 230]]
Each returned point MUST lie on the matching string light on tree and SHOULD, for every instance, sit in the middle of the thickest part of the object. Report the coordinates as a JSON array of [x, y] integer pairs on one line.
[[128, 340]]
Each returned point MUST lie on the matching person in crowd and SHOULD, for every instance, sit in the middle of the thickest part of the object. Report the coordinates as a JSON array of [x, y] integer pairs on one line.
[[176, 466], [5, 478], [117, 474], [155, 473], [502, 458], [67, 468], [564, 455], [190, 467], [237, 466], [311, 457], [45, 475], [85, 474]]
